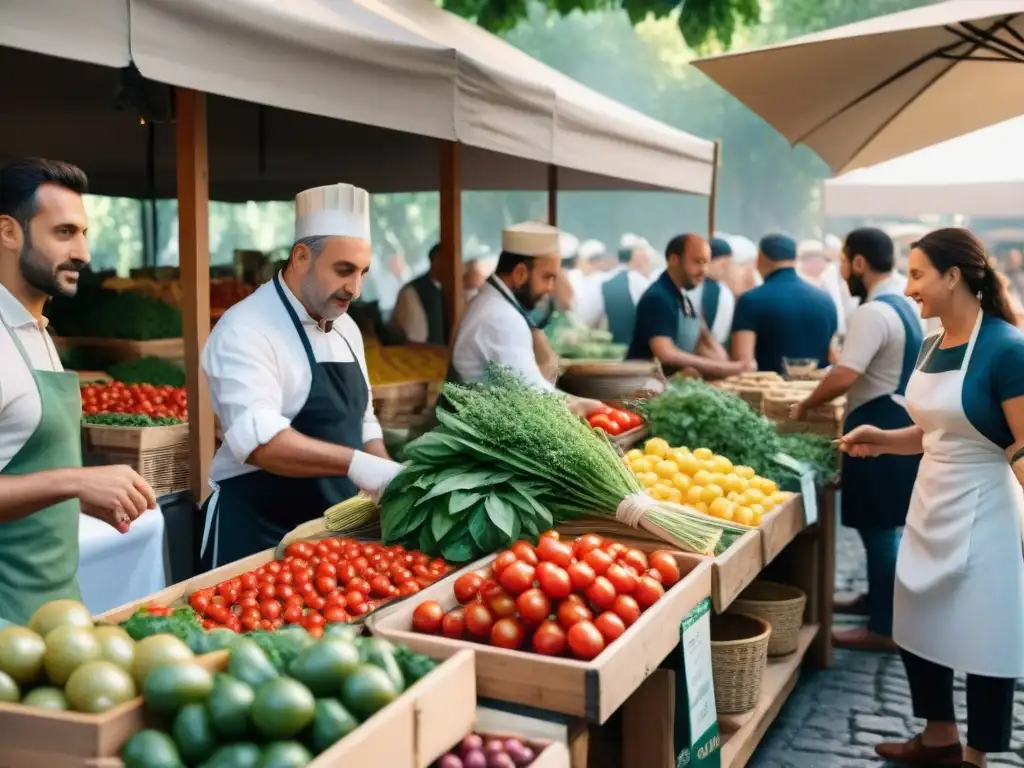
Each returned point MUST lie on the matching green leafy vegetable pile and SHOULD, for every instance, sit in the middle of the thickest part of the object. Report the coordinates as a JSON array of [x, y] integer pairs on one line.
[[127, 420], [508, 461], [97, 313], [149, 370]]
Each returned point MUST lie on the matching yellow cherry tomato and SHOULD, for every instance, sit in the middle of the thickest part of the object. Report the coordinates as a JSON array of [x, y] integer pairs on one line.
[[744, 516], [694, 494], [688, 463], [701, 477], [666, 468], [710, 493], [722, 508], [681, 481], [634, 454], [745, 472], [656, 446], [703, 453], [643, 464]]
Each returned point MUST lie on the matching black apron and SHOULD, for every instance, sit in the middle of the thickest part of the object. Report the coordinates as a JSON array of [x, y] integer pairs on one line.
[[254, 511], [434, 307], [876, 491]]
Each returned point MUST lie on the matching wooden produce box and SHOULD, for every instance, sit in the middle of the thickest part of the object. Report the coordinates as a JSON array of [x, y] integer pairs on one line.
[[411, 732], [590, 689], [123, 350], [94, 377], [825, 419], [780, 526], [159, 454], [735, 569], [39, 738]]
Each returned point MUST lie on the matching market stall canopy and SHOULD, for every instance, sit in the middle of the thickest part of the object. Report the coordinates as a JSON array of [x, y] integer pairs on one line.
[[592, 133], [865, 93], [980, 174], [95, 32]]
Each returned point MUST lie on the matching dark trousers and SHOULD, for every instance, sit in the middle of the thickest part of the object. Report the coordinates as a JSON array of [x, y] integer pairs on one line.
[[989, 702], [881, 546]]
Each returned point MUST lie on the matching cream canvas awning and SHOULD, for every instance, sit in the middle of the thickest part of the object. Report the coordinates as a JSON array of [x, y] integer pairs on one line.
[[94, 32], [979, 174]]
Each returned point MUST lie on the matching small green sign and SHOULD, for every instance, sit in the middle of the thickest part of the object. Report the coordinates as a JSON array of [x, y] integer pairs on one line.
[[697, 738]]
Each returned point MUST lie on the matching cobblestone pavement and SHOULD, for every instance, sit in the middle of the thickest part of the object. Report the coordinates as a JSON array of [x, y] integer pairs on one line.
[[834, 716]]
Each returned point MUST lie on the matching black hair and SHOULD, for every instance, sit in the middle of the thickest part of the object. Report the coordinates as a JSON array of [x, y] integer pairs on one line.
[[625, 255], [20, 181], [509, 261], [961, 248], [677, 245], [434, 252], [874, 245]]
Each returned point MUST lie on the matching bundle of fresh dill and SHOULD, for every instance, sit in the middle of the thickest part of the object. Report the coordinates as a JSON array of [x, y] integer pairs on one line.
[[508, 461]]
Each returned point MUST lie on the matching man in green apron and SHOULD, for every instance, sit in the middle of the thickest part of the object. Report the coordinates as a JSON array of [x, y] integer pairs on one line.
[[43, 487], [668, 327]]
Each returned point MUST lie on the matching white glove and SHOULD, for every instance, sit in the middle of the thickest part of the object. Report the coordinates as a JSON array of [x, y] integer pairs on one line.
[[371, 474]]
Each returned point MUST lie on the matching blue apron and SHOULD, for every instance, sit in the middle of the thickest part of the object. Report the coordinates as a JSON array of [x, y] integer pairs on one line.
[[254, 511], [688, 326], [619, 308], [876, 491]]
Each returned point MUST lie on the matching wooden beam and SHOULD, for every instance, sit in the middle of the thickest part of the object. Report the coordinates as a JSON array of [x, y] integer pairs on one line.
[[713, 197], [450, 157], [194, 261], [553, 195]]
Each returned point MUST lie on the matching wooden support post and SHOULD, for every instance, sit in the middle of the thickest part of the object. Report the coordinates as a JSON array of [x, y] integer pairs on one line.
[[553, 195], [820, 654], [713, 197], [451, 232], [194, 261]]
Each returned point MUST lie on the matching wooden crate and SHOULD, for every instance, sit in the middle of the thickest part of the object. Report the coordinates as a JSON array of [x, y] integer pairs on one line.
[[825, 419], [94, 377], [609, 379], [735, 569], [123, 350], [589, 689], [411, 732], [780, 526], [159, 454], [34, 738]]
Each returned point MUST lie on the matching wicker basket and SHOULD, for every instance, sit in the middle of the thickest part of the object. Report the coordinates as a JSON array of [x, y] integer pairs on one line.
[[159, 454], [781, 605], [739, 653], [825, 419], [608, 380], [406, 405]]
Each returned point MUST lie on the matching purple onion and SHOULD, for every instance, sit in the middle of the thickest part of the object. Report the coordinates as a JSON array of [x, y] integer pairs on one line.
[[474, 759], [471, 743], [521, 754], [494, 747], [450, 761], [500, 760]]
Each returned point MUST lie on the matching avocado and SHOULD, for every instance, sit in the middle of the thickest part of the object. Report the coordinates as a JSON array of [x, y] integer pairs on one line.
[[229, 705], [282, 708], [250, 664], [168, 689], [331, 724], [234, 756], [381, 653], [193, 733], [368, 690], [284, 754], [151, 749], [324, 666]]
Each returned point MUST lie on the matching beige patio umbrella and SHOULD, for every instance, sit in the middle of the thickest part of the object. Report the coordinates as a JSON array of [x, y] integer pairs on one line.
[[867, 92]]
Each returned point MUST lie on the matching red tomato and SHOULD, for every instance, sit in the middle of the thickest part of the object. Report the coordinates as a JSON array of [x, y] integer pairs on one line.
[[335, 614], [316, 602], [503, 560], [623, 579], [507, 633], [467, 586], [453, 624], [601, 594], [359, 610], [665, 564], [358, 585], [587, 542], [292, 614], [606, 423], [267, 592], [635, 419], [283, 591], [517, 577], [337, 598], [199, 601], [622, 419], [627, 609], [550, 535], [553, 551], [582, 575], [549, 639], [615, 548], [610, 625], [635, 559], [344, 572], [408, 588], [500, 603], [380, 586], [326, 584], [248, 580], [326, 569], [478, 620], [599, 560], [525, 552], [427, 617], [533, 606], [647, 592], [571, 612], [554, 580], [654, 573], [313, 619], [585, 640]]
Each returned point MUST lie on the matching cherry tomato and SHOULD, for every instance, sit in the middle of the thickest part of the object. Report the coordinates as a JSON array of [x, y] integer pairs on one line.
[[247, 580], [610, 625], [533, 606], [604, 422], [478, 620], [585, 640], [267, 592], [453, 624], [427, 617], [665, 564], [635, 559], [586, 543], [601, 594], [326, 584], [551, 535], [654, 573], [507, 633], [501, 604], [599, 560], [553, 551], [621, 418], [467, 586], [554, 580], [627, 609], [335, 614], [344, 572], [270, 609], [503, 560], [358, 585], [199, 602], [408, 588], [292, 613], [623, 579], [517, 577], [615, 548], [549, 639], [354, 599], [337, 598], [360, 610], [313, 619], [582, 575], [525, 552], [316, 602], [647, 592], [380, 586], [571, 612]]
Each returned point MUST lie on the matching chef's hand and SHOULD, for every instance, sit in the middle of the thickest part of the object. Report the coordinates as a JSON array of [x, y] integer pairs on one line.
[[583, 407], [865, 441], [114, 494], [371, 474]]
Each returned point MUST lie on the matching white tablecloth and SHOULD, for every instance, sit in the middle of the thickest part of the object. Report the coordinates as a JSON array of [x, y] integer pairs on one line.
[[116, 568]]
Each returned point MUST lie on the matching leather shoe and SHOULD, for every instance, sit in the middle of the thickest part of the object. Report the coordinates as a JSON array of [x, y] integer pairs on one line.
[[862, 639], [914, 752]]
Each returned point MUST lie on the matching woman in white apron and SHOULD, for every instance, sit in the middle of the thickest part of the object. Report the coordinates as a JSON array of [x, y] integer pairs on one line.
[[959, 597]]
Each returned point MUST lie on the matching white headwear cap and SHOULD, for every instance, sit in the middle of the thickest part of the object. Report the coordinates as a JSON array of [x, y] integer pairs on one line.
[[336, 210], [743, 249], [568, 245], [531, 238], [591, 249], [833, 244], [810, 249]]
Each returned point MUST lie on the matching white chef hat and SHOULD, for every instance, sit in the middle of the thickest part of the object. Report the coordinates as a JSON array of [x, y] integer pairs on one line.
[[568, 245], [336, 210], [629, 240], [810, 249], [591, 249], [531, 238]]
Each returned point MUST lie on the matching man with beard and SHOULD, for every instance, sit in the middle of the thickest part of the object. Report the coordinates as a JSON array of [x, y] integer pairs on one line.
[[883, 340], [498, 326], [288, 380], [711, 297], [43, 487], [669, 328]]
